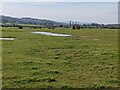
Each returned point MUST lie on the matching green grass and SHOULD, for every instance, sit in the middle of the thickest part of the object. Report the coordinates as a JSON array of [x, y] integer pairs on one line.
[[88, 60]]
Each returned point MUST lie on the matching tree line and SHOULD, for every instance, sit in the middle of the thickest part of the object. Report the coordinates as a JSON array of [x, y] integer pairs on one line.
[[70, 25]]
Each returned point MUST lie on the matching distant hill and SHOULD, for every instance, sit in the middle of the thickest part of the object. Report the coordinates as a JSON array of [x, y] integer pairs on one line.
[[26, 20]]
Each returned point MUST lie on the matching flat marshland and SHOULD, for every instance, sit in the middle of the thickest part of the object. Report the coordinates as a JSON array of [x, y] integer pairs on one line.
[[89, 59]]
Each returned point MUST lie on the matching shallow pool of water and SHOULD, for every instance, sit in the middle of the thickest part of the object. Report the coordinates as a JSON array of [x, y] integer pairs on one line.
[[51, 34], [6, 38]]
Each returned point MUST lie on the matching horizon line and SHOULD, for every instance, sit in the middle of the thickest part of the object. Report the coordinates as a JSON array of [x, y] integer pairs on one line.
[[67, 21]]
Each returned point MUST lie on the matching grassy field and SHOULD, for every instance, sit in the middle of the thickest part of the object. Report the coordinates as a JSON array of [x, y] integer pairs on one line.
[[88, 60]]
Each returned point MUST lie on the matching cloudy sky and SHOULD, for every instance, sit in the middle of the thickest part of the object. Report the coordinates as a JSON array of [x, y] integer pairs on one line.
[[99, 12]]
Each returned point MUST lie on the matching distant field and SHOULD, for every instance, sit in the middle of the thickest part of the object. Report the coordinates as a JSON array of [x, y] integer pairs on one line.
[[29, 25], [88, 60], [23, 24]]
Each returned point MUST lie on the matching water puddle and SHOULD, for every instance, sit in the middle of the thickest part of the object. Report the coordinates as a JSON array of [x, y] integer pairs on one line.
[[7, 39], [51, 34]]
